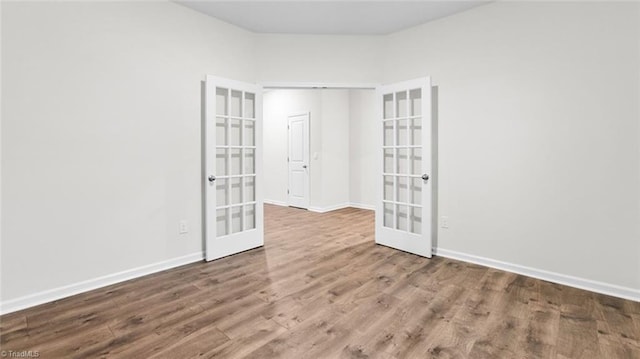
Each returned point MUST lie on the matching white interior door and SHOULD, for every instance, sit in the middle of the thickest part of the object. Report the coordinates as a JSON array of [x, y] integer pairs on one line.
[[233, 154], [403, 212], [299, 160]]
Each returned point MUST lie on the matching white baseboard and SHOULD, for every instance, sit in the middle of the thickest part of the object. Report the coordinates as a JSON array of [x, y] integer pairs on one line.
[[328, 208], [362, 206], [91, 284], [95, 283], [582, 283], [274, 202]]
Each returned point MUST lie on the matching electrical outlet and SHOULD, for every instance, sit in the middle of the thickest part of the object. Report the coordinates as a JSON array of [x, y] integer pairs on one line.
[[182, 227], [444, 222]]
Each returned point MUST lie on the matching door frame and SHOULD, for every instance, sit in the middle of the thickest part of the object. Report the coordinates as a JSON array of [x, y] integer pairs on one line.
[[318, 85], [308, 157]]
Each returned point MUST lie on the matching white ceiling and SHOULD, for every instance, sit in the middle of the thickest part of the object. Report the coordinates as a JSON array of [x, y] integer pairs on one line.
[[329, 17]]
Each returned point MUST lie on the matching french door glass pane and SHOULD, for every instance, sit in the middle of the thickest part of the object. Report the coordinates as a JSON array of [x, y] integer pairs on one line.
[[388, 215], [236, 219], [415, 160], [403, 161], [388, 160], [388, 133], [236, 190], [388, 188], [250, 216], [402, 194], [235, 133], [415, 102], [221, 101], [401, 104], [221, 131], [388, 106], [249, 105], [249, 161], [236, 103], [415, 190], [249, 133], [415, 131], [236, 161], [401, 217], [222, 199], [221, 222], [415, 220], [401, 132], [249, 189], [221, 161]]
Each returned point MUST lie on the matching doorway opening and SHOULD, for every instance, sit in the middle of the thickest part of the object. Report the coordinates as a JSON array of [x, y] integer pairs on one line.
[[331, 131]]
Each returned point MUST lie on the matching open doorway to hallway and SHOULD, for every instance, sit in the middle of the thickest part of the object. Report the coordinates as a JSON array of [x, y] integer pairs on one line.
[[342, 145]]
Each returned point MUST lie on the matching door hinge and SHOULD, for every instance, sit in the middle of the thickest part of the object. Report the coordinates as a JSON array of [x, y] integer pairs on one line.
[[287, 159], [287, 191]]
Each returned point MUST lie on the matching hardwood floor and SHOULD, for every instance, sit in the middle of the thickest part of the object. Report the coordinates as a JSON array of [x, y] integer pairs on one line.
[[321, 288]]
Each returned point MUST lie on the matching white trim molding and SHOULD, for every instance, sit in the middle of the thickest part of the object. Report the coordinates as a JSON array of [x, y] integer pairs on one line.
[[369, 207], [50, 295], [274, 202], [326, 209], [571, 281], [316, 85]]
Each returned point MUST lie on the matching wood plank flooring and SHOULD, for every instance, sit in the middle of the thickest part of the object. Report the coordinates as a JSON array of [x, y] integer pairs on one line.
[[321, 288]]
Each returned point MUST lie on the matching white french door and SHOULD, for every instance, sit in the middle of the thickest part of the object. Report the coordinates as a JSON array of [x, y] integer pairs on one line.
[[298, 128], [234, 218], [403, 211]]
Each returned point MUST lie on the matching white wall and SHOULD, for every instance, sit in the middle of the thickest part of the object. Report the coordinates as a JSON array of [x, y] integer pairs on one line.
[[539, 132], [101, 141], [335, 148], [364, 142], [322, 58]]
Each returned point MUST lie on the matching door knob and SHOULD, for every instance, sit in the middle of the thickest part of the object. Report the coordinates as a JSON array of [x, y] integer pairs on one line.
[[304, 166], [425, 177], [212, 178]]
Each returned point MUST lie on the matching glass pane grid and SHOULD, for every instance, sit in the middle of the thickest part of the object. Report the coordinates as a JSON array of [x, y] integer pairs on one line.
[[235, 161], [395, 164], [402, 161]]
